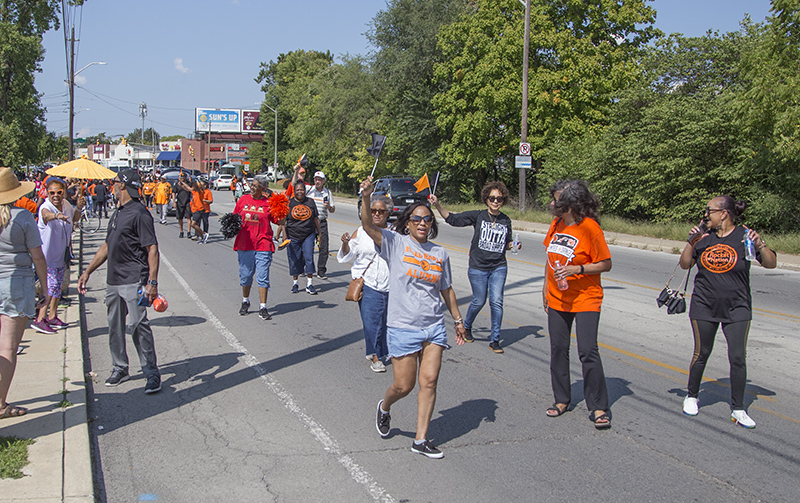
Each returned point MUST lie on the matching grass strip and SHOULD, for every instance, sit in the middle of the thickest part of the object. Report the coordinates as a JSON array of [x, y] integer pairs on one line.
[[13, 456]]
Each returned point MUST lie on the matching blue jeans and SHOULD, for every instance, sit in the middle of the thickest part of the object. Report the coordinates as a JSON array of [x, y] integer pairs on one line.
[[301, 255], [374, 306], [492, 282], [251, 262]]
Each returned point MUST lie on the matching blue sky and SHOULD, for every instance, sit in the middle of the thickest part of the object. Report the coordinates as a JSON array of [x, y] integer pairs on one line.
[[180, 54]]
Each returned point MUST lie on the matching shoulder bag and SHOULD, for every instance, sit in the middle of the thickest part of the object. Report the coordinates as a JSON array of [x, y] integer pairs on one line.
[[675, 300], [356, 288]]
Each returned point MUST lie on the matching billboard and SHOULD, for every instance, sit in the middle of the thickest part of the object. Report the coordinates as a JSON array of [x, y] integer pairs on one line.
[[220, 120], [250, 121]]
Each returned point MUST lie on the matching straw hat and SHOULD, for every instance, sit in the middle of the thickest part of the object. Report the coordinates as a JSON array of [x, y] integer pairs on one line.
[[12, 189]]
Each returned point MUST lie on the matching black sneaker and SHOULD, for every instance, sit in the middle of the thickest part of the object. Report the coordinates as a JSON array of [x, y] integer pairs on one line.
[[117, 376], [311, 290], [322, 275], [264, 314], [244, 308], [382, 421], [180, 235], [153, 384], [295, 288], [427, 449], [468, 335], [495, 346]]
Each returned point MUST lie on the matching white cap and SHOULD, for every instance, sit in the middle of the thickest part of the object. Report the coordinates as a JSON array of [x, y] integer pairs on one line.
[[319, 174]]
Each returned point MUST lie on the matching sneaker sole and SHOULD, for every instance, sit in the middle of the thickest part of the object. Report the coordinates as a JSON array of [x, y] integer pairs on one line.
[[377, 370], [498, 350], [427, 454], [469, 340], [743, 425], [378, 411], [111, 385], [154, 390], [43, 331], [265, 318], [696, 413]]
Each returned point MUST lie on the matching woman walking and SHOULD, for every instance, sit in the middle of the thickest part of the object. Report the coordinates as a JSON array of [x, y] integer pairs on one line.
[[197, 208], [20, 247], [302, 227], [721, 295], [577, 254], [487, 256], [56, 221], [419, 279], [367, 264]]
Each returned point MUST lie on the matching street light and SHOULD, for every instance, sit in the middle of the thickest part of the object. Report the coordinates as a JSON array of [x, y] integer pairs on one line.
[[275, 162], [71, 83]]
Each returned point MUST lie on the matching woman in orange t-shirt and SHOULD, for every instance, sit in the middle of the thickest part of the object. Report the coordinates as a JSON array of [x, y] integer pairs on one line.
[[577, 254], [198, 209]]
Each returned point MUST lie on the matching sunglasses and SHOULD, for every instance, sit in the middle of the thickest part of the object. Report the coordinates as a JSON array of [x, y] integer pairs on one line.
[[417, 219], [712, 210], [495, 199], [379, 212], [56, 192]]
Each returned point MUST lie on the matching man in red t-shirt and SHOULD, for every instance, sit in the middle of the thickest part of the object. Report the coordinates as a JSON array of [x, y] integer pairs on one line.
[[254, 244]]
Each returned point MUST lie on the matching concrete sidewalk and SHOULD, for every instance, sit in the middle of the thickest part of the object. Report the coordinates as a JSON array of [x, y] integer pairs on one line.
[[60, 466]]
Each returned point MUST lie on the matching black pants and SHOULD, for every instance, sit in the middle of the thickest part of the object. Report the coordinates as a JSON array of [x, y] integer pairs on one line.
[[204, 219], [100, 208], [736, 334], [322, 261], [559, 324]]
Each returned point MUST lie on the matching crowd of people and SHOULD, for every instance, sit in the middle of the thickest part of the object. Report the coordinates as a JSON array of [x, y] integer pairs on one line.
[[407, 278]]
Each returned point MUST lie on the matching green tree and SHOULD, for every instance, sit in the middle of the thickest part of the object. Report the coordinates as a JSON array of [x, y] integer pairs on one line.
[[174, 137], [151, 136], [22, 24]]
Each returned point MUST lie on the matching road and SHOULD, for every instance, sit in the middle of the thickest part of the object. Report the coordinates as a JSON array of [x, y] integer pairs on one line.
[[284, 410]]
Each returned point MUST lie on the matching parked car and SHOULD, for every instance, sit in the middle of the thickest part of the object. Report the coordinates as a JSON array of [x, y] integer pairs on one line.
[[402, 191], [223, 182]]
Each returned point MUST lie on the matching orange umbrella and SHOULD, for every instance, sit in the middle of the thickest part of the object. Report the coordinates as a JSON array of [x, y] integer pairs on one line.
[[82, 168]]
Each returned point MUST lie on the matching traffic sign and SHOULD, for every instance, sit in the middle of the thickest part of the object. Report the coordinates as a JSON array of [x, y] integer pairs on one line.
[[79, 140], [522, 162], [524, 149]]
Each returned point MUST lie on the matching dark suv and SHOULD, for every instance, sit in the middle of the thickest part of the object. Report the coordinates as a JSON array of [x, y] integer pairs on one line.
[[402, 191]]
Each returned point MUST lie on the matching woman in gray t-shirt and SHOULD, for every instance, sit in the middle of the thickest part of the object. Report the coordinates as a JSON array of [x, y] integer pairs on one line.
[[20, 247], [419, 280]]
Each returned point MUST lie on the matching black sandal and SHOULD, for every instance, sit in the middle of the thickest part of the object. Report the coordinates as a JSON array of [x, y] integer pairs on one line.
[[556, 411], [605, 421]]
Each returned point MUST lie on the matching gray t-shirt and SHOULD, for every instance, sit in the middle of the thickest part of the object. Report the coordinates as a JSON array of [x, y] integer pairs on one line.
[[417, 274], [55, 234], [16, 238]]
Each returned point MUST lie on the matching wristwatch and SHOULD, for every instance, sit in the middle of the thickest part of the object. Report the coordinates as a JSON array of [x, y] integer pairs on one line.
[[152, 282]]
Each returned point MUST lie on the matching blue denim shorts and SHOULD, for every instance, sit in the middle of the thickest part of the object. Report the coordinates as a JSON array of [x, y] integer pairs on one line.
[[252, 262], [404, 342], [18, 297]]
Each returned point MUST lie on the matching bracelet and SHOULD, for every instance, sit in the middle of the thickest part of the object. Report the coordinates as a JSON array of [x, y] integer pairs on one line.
[[581, 269], [458, 322]]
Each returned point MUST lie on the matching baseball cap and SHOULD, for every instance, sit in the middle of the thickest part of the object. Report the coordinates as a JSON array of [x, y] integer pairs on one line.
[[132, 181], [319, 174]]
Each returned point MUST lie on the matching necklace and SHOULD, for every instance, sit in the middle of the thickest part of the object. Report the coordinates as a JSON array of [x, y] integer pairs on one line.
[[493, 218]]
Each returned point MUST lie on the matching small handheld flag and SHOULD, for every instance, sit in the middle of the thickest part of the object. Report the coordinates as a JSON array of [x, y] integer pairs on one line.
[[423, 183], [375, 150]]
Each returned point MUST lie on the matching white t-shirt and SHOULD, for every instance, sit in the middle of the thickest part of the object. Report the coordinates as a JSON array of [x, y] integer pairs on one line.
[[319, 198], [418, 272], [55, 234], [362, 249]]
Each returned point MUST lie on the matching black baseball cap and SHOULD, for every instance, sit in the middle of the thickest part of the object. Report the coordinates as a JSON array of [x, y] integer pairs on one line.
[[132, 181]]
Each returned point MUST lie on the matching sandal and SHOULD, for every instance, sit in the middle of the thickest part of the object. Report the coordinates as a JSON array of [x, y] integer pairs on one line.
[[601, 422], [556, 411], [12, 411]]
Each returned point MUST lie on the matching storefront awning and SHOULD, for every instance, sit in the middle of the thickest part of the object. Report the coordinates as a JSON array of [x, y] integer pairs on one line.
[[171, 155]]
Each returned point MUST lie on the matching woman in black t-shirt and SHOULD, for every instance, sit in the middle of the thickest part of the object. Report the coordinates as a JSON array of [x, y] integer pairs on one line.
[[487, 256], [302, 228], [721, 295]]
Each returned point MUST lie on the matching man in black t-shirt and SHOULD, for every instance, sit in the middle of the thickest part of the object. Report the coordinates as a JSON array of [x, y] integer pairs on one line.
[[183, 196], [101, 196], [302, 227], [131, 249]]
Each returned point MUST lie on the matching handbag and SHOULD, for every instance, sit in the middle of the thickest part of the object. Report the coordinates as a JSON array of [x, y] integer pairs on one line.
[[355, 290], [675, 300]]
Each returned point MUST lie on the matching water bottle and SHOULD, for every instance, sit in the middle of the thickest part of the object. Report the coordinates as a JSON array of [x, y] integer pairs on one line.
[[143, 300], [562, 283], [749, 248], [515, 244]]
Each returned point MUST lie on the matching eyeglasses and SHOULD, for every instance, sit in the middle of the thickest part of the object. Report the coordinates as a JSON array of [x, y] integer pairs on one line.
[[379, 212], [495, 199], [417, 219], [712, 210], [56, 192], [117, 181]]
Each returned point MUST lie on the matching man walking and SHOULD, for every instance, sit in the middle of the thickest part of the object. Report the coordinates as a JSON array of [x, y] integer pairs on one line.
[[162, 195], [183, 195], [131, 249], [324, 201]]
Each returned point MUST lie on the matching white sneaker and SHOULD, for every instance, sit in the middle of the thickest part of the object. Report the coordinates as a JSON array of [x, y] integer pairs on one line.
[[741, 418], [690, 407], [377, 366]]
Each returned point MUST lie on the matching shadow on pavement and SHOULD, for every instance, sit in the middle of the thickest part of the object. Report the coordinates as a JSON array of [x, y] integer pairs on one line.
[[462, 419]]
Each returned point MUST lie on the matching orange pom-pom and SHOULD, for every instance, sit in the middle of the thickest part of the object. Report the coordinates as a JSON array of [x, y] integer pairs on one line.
[[278, 205]]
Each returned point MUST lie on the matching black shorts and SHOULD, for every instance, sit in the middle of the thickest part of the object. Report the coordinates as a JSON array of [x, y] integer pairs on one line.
[[197, 216], [182, 211]]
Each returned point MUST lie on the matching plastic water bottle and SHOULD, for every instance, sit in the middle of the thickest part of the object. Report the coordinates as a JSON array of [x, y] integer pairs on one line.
[[515, 244], [563, 284], [749, 248]]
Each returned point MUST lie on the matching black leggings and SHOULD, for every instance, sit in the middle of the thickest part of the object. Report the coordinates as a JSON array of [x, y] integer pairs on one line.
[[736, 335], [559, 324]]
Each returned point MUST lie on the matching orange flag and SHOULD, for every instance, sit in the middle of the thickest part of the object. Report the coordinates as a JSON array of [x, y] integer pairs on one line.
[[423, 183]]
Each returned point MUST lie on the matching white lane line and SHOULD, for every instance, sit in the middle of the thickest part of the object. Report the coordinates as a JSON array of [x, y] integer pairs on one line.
[[317, 431]]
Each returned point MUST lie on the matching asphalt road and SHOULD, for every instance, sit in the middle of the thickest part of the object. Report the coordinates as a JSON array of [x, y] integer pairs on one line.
[[284, 410]]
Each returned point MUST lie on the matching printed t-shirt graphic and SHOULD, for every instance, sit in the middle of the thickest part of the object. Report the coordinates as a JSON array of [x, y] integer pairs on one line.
[[300, 222], [719, 258], [579, 244], [256, 232], [422, 266]]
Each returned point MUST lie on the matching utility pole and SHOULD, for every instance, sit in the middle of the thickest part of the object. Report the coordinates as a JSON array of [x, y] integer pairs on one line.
[[525, 55], [71, 78], [143, 114]]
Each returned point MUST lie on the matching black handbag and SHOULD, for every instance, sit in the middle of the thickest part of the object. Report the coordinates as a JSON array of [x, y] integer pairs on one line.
[[675, 300]]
